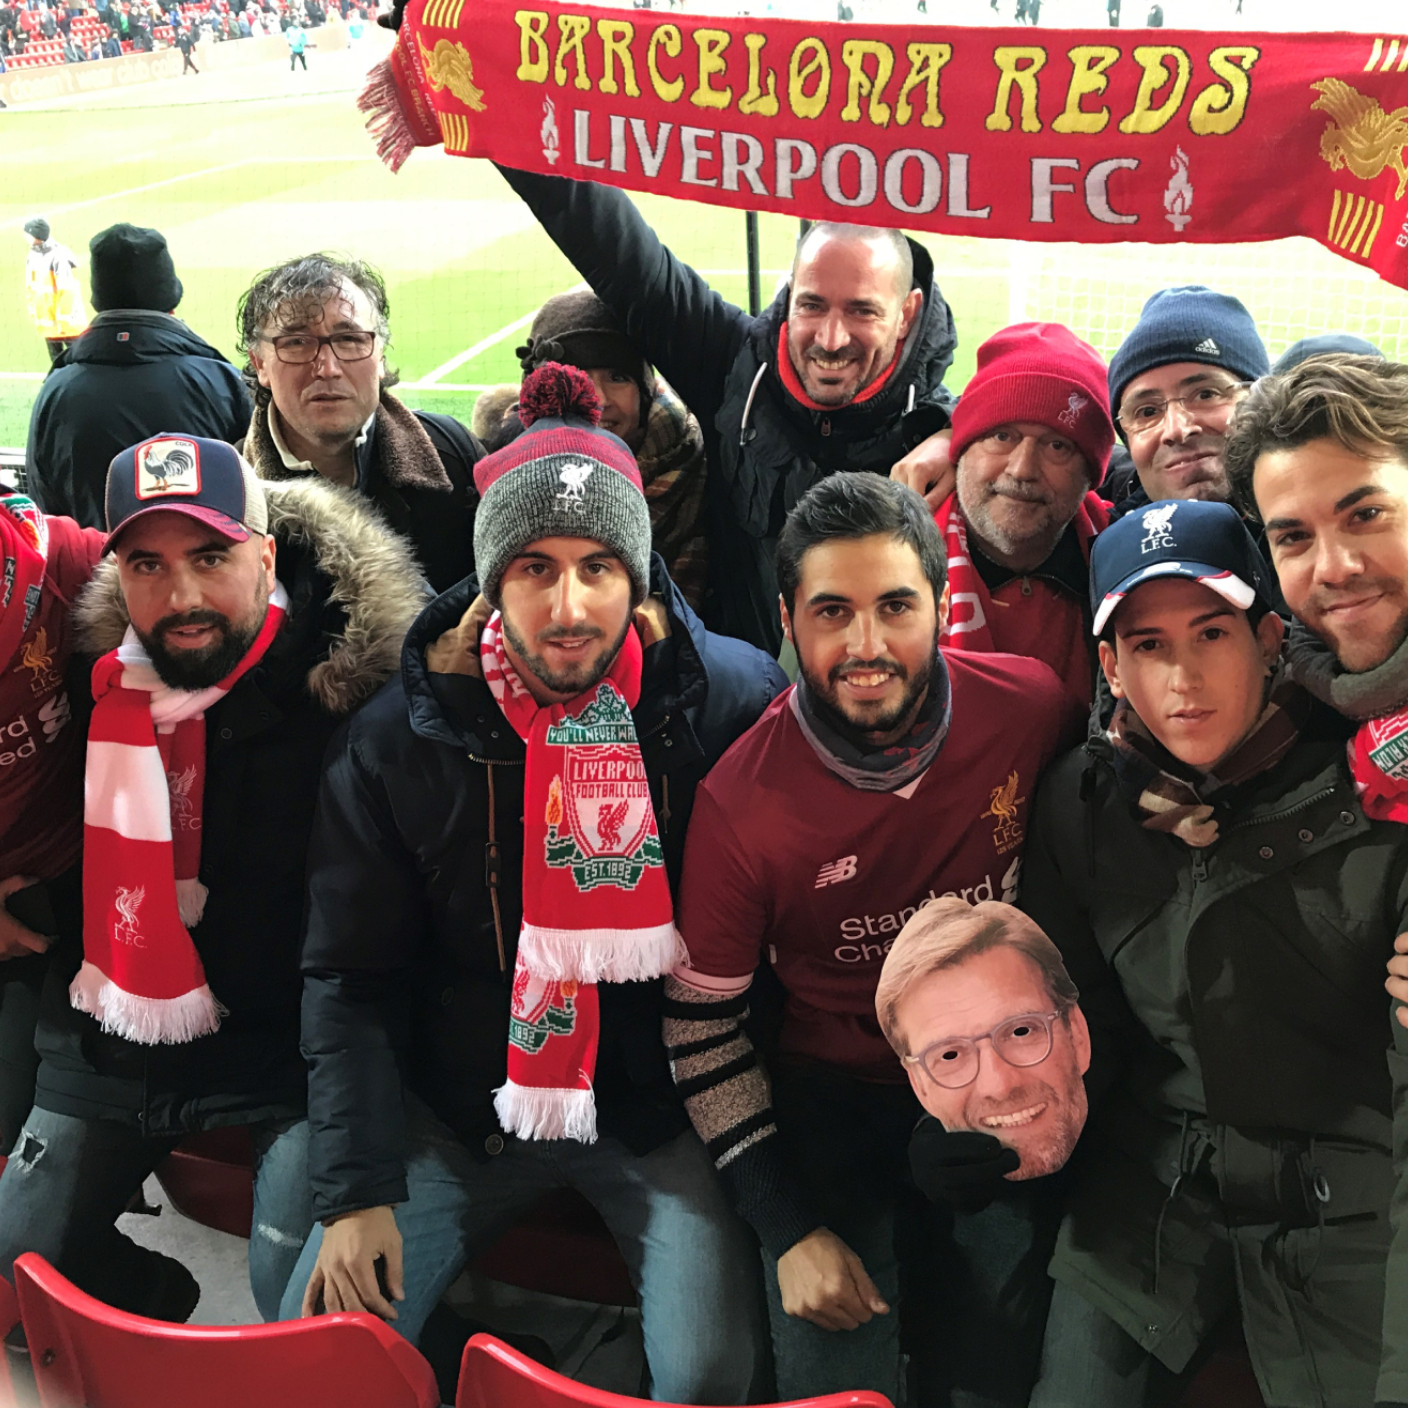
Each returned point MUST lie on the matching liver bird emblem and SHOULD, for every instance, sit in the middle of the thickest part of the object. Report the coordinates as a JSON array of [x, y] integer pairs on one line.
[[1005, 800], [1361, 135], [35, 654], [608, 824], [448, 65]]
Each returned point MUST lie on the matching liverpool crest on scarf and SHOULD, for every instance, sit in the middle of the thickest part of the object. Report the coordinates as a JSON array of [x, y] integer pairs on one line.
[[596, 900]]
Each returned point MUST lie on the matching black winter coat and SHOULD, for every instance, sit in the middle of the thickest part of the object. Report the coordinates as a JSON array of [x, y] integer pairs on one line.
[[765, 448], [415, 901], [131, 375], [353, 589]]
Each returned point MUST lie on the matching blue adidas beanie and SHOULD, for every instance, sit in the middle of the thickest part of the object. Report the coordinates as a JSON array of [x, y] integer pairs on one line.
[[1189, 324]]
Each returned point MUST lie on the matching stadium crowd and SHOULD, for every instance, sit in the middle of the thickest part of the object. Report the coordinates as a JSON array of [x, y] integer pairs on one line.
[[38, 33], [992, 1013]]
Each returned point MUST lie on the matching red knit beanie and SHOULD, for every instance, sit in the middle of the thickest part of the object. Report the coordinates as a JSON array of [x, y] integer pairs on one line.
[[1038, 372]]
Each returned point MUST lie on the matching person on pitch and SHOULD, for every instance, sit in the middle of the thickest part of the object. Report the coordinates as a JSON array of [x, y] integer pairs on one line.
[[478, 1034], [892, 774]]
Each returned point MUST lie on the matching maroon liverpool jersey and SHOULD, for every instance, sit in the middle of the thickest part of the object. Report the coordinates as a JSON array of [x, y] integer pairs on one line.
[[784, 858]]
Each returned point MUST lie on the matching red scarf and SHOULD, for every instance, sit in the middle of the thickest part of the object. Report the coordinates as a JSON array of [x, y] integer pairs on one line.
[[1378, 758], [970, 603], [797, 391], [596, 901], [141, 975], [24, 558]]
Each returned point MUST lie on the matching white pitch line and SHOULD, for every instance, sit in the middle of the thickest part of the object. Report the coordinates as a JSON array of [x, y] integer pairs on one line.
[[428, 381], [185, 176], [23, 376]]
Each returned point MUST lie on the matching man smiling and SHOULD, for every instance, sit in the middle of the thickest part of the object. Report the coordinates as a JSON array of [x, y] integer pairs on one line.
[[1031, 439], [1226, 907], [316, 331], [803, 853]]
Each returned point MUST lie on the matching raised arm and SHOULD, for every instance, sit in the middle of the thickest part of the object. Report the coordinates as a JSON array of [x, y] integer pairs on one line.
[[682, 326]]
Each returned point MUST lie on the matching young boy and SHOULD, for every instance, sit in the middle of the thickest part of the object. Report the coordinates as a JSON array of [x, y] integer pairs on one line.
[[1225, 908]]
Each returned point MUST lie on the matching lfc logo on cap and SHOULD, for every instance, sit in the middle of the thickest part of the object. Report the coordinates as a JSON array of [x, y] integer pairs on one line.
[[166, 467]]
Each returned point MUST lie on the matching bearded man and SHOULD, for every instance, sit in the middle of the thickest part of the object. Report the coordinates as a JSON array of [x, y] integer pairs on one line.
[[234, 626], [802, 854]]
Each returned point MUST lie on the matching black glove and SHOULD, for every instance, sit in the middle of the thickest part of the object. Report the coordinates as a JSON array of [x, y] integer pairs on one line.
[[963, 1168]]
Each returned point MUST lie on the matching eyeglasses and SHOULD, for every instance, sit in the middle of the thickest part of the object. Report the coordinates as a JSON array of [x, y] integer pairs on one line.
[[1149, 415], [299, 348], [1023, 1040], [1054, 450]]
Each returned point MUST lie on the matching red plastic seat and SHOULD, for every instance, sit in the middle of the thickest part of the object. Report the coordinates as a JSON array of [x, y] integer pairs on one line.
[[210, 1179], [9, 1318], [87, 1355], [494, 1376]]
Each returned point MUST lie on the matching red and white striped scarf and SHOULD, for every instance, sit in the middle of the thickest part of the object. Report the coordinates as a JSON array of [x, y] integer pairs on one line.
[[141, 976], [596, 900]]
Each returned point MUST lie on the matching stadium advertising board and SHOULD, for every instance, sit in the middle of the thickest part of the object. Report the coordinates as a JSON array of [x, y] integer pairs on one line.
[[1028, 134]]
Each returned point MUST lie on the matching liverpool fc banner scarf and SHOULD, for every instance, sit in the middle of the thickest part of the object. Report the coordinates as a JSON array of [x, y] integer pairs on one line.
[[1008, 133], [596, 901], [141, 976]]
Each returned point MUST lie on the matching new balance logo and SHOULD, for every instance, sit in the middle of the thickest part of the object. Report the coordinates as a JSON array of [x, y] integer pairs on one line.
[[835, 871], [1209, 346]]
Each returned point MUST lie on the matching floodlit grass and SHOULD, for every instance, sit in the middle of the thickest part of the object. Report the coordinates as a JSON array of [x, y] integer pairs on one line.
[[243, 169]]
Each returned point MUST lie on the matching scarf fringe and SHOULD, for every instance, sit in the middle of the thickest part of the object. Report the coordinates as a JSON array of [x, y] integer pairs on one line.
[[149, 1021], [601, 955], [191, 896], [536, 1112], [386, 120]]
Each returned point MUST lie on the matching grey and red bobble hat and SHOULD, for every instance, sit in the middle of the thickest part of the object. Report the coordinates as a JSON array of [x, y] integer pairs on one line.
[[564, 477]]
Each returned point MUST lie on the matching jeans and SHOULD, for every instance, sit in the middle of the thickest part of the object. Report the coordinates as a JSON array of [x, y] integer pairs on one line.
[[972, 1289], [690, 1258], [69, 1179]]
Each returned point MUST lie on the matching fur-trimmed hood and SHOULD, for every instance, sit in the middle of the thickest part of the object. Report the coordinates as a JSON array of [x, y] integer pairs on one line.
[[373, 577]]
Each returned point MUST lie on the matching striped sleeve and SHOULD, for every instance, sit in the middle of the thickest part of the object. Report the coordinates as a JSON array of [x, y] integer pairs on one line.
[[729, 1101]]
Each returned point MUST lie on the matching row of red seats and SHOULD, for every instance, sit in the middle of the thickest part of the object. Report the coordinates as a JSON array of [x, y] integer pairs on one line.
[[87, 1355], [560, 1248]]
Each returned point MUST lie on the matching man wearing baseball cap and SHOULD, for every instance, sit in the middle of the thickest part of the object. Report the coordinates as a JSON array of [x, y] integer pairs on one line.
[[234, 627], [1174, 385], [1031, 440], [1225, 907], [479, 1034]]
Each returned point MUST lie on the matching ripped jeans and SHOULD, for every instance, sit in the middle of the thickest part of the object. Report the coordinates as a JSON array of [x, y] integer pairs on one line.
[[68, 1180]]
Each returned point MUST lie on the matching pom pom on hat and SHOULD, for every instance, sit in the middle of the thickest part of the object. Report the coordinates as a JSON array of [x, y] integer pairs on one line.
[[564, 476], [556, 392]]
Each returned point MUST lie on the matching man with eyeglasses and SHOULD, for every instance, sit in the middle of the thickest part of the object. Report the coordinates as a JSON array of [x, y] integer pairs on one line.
[[980, 1009], [1206, 866], [1031, 439], [893, 774], [315, 331], [1174, 386]]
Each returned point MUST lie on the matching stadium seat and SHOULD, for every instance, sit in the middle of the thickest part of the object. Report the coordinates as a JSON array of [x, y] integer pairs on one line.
[[9, 1318], [560, 1247], [494, 1376], [84, 1353]]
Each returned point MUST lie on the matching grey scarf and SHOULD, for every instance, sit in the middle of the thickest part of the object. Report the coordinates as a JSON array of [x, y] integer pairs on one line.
[[1367, 695]]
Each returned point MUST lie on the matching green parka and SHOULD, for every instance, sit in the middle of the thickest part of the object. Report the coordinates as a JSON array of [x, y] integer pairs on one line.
[[1249, 1086]]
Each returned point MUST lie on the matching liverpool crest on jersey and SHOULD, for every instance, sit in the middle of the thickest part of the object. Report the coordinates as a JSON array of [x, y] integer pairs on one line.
[[599, 817]]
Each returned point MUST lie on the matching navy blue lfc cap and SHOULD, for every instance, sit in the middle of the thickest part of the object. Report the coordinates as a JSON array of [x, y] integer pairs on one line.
[[1205, 542], [204, 479]]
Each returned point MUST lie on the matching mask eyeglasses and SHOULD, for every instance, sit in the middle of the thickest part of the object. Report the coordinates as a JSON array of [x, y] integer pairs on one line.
[[1023, 1040], [300, 348], [1150, 415]]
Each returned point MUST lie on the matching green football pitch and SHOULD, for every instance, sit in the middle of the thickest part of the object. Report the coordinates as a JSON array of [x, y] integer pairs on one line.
[[241, 170]]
